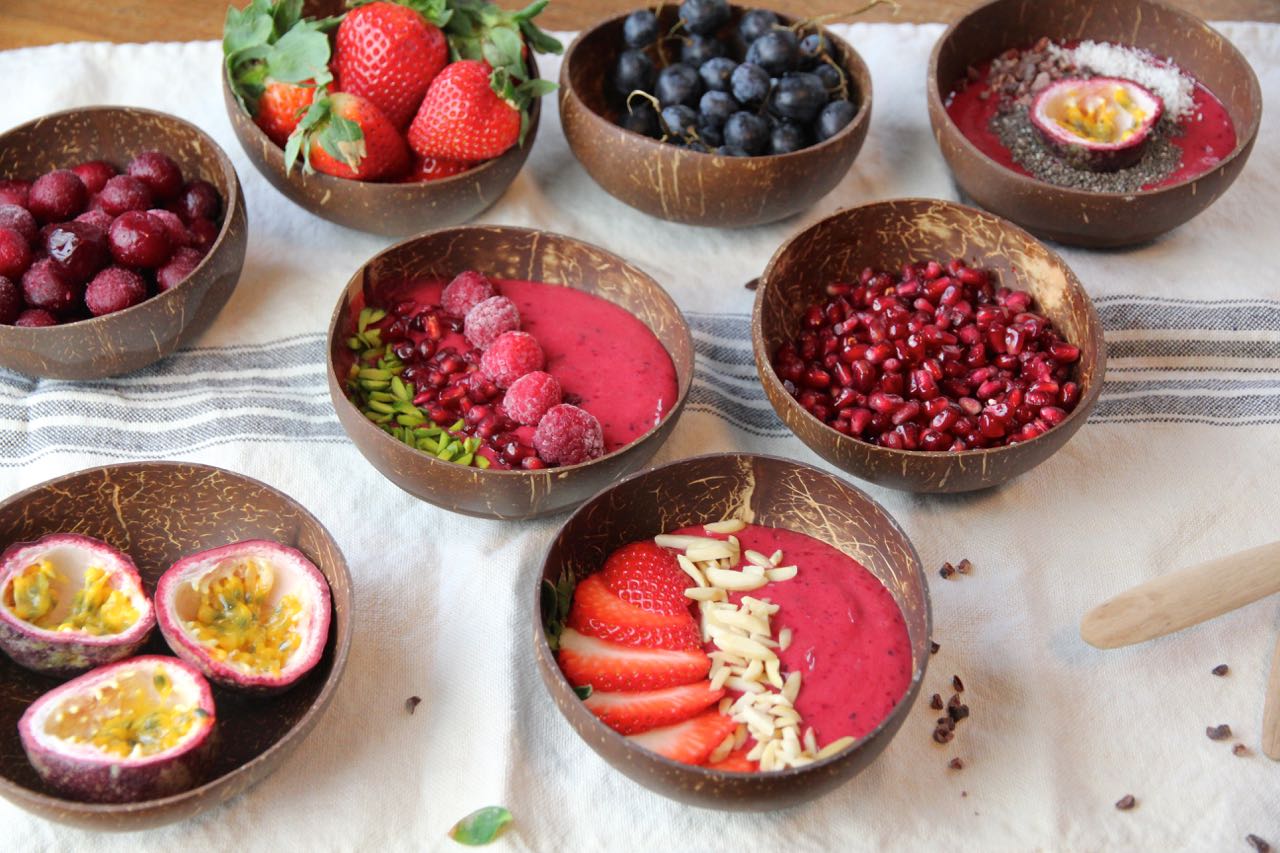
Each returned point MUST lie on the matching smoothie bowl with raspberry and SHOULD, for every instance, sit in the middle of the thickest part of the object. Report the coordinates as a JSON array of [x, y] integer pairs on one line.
[[504, 372], [749, 634]]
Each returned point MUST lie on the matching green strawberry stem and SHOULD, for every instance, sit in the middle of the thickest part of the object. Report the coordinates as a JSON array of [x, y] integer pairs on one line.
[[271, 41]]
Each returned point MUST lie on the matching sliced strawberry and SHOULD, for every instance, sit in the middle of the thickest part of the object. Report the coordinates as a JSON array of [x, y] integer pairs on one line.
[[647, 576], [609, 666], [690, 742], [737, 762], [638, 712], [598, 612]]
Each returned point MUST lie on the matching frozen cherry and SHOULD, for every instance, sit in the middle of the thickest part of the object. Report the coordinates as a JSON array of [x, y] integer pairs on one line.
[[20, 220], [198, 200], [57, 196], [114, 289], [484, 323], [10, 301], [530, 396], [95, 174], [44, 286], [124, 193], [466, 291], [97, 217], [78, 248], [15, 192], [173, 225], [138, 240], [511, 356], [15, 253], [568, 435], [183, 262], [158, 171], [203, 234], [35, 317]]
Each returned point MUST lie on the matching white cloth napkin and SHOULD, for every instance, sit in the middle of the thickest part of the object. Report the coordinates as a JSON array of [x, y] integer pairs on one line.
[[1178, 465]]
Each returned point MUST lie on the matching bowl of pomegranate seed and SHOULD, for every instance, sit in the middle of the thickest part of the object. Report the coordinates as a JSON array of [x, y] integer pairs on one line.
[[122, 235], [926, 346], [389, 118], [676, 114], [505, 372], [692, 625]]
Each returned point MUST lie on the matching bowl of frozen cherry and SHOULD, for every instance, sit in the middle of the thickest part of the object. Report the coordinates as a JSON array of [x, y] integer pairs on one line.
[[122, 234], [714, 114], [926, 346]]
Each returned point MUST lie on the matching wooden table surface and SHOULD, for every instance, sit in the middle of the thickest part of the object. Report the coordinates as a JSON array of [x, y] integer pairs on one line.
[[33, 22]]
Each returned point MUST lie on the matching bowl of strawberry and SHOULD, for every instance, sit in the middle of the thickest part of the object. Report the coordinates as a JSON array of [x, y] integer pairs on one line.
[[122, 234], [390, 117], [713, 114], [926, 346]]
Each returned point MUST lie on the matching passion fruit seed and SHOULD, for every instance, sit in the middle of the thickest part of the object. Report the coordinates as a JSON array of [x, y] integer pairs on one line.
[[236, 621], [123, 717], [97, 609]]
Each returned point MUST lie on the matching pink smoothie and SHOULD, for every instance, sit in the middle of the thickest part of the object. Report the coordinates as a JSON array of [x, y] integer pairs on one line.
[[849, 640]]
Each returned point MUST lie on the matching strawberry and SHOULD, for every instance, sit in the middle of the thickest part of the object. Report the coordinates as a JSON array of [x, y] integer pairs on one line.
[[630, 713], [610, 666], [348, 137], [648, 577], [462, 118], [433, 169], [281, 108], [737, 762], [597, 612], [389, 54], [690, 742]]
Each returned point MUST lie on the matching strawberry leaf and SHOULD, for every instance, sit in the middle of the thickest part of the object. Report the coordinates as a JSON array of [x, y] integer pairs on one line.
[[481, 826], [271, 41], [301, 54]]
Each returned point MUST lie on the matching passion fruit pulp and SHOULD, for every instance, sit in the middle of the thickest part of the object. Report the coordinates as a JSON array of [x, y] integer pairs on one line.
[[69, 603], [1101, 124], [126, 732], [252, 615]]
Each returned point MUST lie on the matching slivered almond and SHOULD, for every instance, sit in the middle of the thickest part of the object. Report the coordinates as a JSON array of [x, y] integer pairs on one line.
[[735, 581], [681, 542], [726, 704], [736, 683], [757, 559], [782, 573], [773, 669], [836, 746], [754, 671], [739, 736], [791, 687], [714, 549], [756, 752], [691, 570], [728, 659], [704, 593], [770, 753], [737, 645], [776, 557], [765, 641], [729, 525], [802, 761], [721, 752], [786, 715], [784, 637], [760, 605], [790, 743], [745, 621], [719, 675], [810, 740], [759, 722]]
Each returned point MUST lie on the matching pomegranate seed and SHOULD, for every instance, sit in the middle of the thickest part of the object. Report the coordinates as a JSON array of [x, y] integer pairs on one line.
[[884, 403], [433, 327], [844, 398], [859, 420], [532, 463], [908, 411], [1052, 415], [864, 375], [936, 406], [1064, 352], [970, 406], [932, 270], [423, 398], [1070, 395], [943, 421], [813, 317], [932, 439]]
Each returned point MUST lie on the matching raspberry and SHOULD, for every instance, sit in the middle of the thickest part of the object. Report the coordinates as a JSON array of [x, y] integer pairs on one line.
[[530, 396], [10, 301], [35, 317], [15, 192], [124, 193], [465, 292], [114, 289], [95, 174], [15, 253], [180, 266], [511, 356], [567, 435], [489, 319], [57, 196], [20, 220], [44, 286]]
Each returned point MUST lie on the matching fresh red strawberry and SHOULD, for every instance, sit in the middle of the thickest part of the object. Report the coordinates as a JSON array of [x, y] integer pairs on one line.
[[648, 577], [609, 666], [737, 762], [597, 612], [433, 169], [690, 742], [281, 107], [388, 54], [630, 713], [462, 118], [348, 137]]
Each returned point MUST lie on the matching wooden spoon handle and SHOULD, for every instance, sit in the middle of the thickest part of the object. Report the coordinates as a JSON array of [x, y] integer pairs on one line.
[[1183, 598], [1271, 711]]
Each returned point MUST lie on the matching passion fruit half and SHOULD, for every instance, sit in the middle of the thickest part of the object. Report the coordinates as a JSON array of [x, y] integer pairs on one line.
[[69, 603], [251, 615], [126, 732], [1101, 124]]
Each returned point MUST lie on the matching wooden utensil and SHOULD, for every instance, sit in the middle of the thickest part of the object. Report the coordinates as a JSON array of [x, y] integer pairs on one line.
[[1271, 713], [1185, 598]]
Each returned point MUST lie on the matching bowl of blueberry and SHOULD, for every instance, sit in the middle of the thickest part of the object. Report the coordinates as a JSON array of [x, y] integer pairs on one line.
[[712, 114]]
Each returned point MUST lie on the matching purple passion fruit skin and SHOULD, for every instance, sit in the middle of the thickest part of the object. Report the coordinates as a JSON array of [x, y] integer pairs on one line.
[[252, 616], [69, 603], [126, 732], [1100, 124]]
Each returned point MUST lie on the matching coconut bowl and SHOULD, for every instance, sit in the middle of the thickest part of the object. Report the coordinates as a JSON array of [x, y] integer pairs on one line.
[[764, 490], [886, 235], [135, 337], [158, 512], [1077, 217], [506, 253], [392, 209], [688, 186]]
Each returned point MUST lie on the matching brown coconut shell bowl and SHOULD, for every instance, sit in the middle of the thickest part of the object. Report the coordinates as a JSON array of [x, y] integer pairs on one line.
[[762, 490], [391, 209], [886, 235], [1076, 217], [506, 253], [689, 186], [157, 512], [135, 337]]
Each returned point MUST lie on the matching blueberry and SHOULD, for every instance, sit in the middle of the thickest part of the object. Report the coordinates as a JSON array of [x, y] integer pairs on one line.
[[834, 117], [716, 107], [800, 96], [756, 23], [704, 17], [812, 48], [747, 131], [635, 71], [678, 84], [642, 119], [731, 151], [679, 119], [788, 136], [830, 76], [715, 73], [711, 135], [640, 29], [776, 51], [750, 84], [695, 50]]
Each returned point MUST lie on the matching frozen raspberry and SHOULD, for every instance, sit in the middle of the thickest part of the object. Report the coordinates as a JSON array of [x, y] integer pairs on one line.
[[178, 234], [95, 174], [530, 396], [198, 200], [124, 193], [10, 301], [98, 217], [114, 289], [489, 319], [182, 264], [567, 435], [203, 234], [158, 171], [20, 220], [465, 292], [44, 286], [138, 240], [511, 356], [57, 196], [15, 253], [35, 317], [15, 192]]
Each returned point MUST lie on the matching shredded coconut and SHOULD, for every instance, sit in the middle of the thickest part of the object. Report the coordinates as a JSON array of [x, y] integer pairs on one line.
[[1167, 80]]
